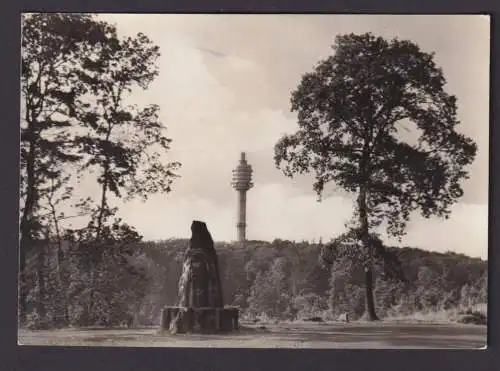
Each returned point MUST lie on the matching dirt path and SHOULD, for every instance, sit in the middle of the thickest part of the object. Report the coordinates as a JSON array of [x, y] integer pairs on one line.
[[300, 335]]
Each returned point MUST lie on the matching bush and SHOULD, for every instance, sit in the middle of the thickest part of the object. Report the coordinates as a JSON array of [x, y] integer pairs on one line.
[[474, 318], [310, 305], [36, 322], [314, 319]]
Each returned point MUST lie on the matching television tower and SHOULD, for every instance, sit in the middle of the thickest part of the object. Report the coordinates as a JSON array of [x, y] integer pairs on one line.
[[242, 182]]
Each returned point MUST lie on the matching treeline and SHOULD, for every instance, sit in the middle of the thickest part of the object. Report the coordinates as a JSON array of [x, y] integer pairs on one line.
[[282, 280]]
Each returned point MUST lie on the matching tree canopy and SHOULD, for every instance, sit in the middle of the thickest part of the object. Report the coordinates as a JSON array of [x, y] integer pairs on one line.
[[77, 74], [353, 110]]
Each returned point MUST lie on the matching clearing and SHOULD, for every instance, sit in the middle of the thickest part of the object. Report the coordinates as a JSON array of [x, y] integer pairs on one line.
[[381, 335]]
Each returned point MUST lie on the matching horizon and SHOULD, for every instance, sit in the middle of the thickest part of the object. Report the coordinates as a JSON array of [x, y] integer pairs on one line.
[[234, 242]]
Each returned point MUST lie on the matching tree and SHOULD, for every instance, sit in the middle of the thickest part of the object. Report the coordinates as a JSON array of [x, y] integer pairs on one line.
[[125, 144], [343, 257], [53, 46], [76, 77], [351, 110], [428, 289], [269, 293]]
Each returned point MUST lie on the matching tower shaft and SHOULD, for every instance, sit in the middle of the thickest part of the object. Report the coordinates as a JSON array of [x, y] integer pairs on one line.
[[242, 215]]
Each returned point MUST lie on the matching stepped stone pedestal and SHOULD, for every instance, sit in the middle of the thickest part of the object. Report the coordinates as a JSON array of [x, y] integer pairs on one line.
[[199, 320], [200, 307]]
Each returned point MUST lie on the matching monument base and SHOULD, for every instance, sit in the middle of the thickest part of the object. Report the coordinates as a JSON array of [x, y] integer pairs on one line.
[[199, 320]]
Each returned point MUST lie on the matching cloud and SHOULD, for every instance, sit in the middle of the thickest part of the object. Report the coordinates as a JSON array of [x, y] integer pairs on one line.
[[208, 129], [224, 87], [465, 232]]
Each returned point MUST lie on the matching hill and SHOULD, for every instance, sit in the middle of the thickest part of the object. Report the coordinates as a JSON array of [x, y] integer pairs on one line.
[[286, 280], [279, 280]]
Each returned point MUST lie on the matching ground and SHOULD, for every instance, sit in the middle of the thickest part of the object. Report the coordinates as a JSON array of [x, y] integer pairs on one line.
[[379, 335]]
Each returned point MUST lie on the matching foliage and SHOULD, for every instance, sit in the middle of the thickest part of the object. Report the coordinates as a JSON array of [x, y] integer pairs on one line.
[[350, 112], [261, 287], [347, 249], [53, 48], [270, 294], [474, 317], [77, 75], [124, 143]]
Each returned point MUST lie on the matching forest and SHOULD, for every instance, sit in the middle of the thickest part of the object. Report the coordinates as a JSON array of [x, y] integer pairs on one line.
[[281, 280]]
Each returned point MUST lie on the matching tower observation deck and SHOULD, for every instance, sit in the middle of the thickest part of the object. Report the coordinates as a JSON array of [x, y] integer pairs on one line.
[[242, 182]]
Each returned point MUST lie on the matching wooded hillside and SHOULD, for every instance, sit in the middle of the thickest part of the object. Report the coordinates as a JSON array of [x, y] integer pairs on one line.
[[280, 280]]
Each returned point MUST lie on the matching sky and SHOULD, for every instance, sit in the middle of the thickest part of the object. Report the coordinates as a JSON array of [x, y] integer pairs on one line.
[[224, 87]]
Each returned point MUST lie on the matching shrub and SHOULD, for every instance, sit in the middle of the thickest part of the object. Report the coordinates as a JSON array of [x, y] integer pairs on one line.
[[309, 306], [474, 318]]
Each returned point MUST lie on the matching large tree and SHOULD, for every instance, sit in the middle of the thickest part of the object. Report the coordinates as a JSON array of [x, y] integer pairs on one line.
[[351, 111], [77, 76], [53, 48], [124, 144]]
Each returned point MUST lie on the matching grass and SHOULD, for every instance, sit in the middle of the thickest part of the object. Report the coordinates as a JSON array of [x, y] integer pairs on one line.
[[476, 314], [454, 315]]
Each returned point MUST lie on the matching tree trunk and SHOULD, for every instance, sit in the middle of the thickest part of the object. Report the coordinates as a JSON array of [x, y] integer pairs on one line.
[[100, 222], [29, 205], [40, 301], [60, 276], [22, 284], [105, 184], [103, 205], [62, 283], [370, 314], [369, 299], [26, 226]]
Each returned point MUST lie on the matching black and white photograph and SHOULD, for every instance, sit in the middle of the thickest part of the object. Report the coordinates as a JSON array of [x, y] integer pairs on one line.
[[254, 180]]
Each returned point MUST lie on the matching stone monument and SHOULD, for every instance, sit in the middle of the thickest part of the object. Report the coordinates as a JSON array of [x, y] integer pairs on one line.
[[200, 307]]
